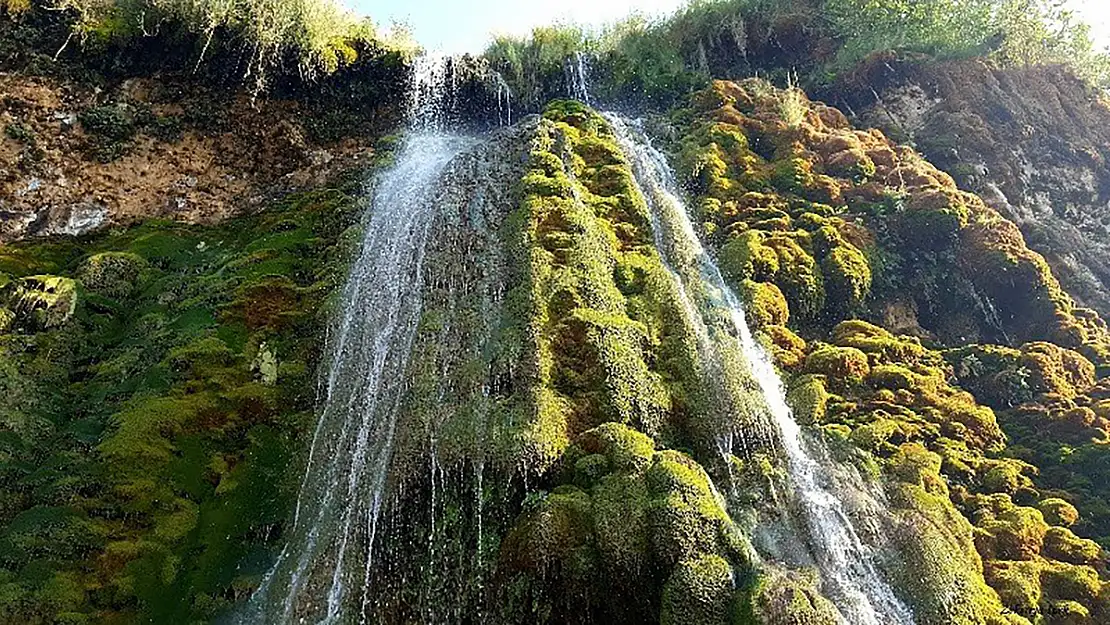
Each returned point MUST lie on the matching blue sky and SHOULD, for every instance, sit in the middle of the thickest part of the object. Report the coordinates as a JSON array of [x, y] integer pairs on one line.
[[456, 26], [466, 26]]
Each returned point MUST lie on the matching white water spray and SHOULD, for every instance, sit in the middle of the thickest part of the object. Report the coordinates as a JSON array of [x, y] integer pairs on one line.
[[847, 570]]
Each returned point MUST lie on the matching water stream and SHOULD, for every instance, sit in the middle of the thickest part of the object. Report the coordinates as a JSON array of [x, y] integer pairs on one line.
[[321, 576], [848, 573]]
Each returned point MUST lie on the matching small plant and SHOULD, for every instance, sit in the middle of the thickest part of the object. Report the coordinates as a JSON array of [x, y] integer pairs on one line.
[[21, 133], [792, 103], [110, 127]]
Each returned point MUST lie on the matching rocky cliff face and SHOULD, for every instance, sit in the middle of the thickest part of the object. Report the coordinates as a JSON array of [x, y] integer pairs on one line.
[[1033, 143], [81, 157]]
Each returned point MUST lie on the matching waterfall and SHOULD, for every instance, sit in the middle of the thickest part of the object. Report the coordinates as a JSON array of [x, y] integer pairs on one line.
[[847, 570], [576, 74], [322, 573]]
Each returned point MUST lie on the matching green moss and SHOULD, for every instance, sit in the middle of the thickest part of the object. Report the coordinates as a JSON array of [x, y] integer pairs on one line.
[[1069, 582], [698, 592], [798, 276], [877, 435], [1056, 511], [1014, 533], [880, 343], [1057, 370], [1006, 476], [808, 399], [781, 598], [1018, 585], [847, 277], [1063, 545], [647, 525], [794, 175], [893, 377], [745, 257], [765, 304], [623, 448], [844, 366], [154, 453]]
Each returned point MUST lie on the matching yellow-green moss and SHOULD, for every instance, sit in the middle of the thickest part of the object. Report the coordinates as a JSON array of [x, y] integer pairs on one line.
[[765, 304], [41, 302], [698, 592], [808, 399], [1056, 511], [842, 366]]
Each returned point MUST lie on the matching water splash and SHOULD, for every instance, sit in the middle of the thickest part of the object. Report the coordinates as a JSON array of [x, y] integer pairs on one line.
[[849, 575]]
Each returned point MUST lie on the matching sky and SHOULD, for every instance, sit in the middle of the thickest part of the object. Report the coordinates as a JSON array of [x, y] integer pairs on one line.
[[457, 26], [1097, 14]]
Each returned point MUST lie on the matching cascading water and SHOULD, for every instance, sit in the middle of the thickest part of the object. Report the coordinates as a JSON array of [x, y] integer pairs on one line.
[[576, 75], [852, 580], [322, 574]]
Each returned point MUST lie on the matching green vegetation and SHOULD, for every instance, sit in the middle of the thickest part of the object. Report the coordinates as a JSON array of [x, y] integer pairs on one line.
[[796, 198], [156, 386], [657, 62], [256, 39]]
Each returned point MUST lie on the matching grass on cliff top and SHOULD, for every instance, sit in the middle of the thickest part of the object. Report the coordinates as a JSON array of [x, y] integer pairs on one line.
[[659, 61], [258, 38]]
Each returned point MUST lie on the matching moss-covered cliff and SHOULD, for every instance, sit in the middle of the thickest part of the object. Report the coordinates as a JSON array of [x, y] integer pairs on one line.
[[566, 448], [157, 384]]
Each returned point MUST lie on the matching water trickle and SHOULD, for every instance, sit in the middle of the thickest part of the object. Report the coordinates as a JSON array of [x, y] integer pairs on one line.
[[323, 571], [576, 70], [849, 575], [504, 100]]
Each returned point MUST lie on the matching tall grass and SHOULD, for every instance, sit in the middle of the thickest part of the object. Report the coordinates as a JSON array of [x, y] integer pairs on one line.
[[308, 37]]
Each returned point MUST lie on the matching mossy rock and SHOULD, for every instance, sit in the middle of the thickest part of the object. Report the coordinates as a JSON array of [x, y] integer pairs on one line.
[[42, 302], [808, 399], [1056, 511], [623, 448], [1018, 585], [643, 525], [842, 366], [699, 592], [745, 257], [799, 277], [1060, 543], [877, 342], [1006, 476], [114, 275], [1057, 370], [1016, 533], [892, 377], [914, 464], [781, 598], [847, 277], [765, 304], [1070, 582]]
